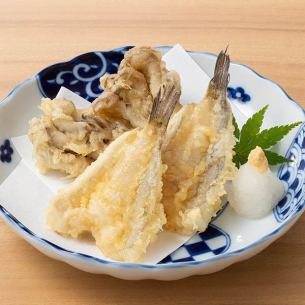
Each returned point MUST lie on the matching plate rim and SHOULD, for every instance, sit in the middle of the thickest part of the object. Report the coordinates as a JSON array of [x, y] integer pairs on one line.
[[10, 219]]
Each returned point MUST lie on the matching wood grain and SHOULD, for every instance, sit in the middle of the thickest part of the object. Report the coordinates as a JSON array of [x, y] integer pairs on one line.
[[267, 35]]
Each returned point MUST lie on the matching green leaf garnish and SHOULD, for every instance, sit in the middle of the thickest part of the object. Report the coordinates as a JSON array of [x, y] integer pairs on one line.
[[236, 129], [274, 159], [250, 136], [270, 137], [252, 127]]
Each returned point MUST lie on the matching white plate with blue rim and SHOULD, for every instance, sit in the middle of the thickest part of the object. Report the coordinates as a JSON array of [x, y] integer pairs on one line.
[[229, 238]]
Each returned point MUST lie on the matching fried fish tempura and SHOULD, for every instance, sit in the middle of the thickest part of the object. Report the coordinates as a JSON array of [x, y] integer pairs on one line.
[[129, 94], [118, 197], [198, 151], [67, 139]]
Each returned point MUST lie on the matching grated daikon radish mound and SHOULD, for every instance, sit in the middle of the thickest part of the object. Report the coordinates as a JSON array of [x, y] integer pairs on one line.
[[255, 191]]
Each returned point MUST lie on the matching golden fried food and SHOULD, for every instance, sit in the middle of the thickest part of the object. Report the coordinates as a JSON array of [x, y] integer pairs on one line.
[[118, 197], [129, 94], [66, 139], [198, 151]]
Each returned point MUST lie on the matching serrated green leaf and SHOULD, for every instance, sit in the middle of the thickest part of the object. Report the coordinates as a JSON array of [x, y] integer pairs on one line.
[[274, 159], [271, 136], [250, 136], [252, 127], [236, 129], [242, 159], [236, 160]]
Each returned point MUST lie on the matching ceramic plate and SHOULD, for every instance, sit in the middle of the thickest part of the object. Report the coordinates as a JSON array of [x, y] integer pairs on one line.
[[229, 238]]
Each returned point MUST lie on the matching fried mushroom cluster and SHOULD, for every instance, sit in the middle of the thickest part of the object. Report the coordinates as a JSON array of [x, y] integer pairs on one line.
[[67, 139]]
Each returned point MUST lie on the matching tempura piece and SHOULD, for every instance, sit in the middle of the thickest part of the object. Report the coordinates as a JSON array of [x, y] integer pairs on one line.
[[129, 94], [198, 151], [67, 139], [118, 197], [255, 190]]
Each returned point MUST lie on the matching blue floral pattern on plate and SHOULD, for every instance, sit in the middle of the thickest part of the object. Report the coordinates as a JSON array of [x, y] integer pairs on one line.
[[293, 174], [6, 151], [81, 74], [239, 94]]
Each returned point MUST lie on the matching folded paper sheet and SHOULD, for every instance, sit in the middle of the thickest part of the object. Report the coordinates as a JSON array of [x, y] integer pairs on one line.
[[35, 191], [194, 81]]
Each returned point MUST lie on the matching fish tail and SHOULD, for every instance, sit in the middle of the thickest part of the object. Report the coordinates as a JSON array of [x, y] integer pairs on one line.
[[164, 104], [221, 76]]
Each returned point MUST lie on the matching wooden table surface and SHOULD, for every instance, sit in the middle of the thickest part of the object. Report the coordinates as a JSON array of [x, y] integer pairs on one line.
[[267, 35]]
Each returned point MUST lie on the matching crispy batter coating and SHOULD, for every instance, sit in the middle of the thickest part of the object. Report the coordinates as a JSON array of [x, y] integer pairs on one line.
[[118, 197], [129, 94], [66, 139], [198, 151]]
